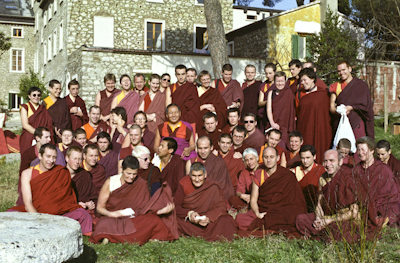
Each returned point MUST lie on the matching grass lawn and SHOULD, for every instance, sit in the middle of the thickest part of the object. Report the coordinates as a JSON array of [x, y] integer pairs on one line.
[[268, 249]]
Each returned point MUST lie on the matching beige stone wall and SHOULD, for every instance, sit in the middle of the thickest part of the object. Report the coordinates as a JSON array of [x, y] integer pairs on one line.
[[9, 81], [253, 44]]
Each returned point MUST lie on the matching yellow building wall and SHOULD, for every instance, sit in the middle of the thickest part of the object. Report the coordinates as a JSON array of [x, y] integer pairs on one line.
[[281, 29]]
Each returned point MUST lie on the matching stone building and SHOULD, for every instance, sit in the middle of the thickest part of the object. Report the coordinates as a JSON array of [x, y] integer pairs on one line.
[[85, 39], [16, 21]]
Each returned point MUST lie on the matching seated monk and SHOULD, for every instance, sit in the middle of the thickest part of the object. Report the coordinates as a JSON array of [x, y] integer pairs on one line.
[[273, 137], [76, 106], [215, 166], [80, 138], [308, 174], [291, 158], [135, 137], [150, 173], [210, 128], [105, 97], [95, 124], [118, 127], [67, 137], [46, 188], [127, 99], [97, 172], [242, 198], [211, 100], [232, 159], [184, 94], [276, 199], [239, 133], [384, 154], [233, 120], [119, 193], [201, 208], [81, 179], [108, 157], [344, 147], [181, 131], [172, 166], [255, 138]]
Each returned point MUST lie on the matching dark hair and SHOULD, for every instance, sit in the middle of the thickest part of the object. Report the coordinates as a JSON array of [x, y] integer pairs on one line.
[[197, 166], [73, 82], [208, 115], [171, 143], [39, 132], [204, 73], [270, 65], [309, 72], [94, 107], [250, 114], [109, 76], [165, 74], [91, 146], [368, 141], [79, 131], [274, 131], [344, 143], [296, 134], [53, 82], [225, 135], [123, 76], [169, 106], [138, 75], [250, 66], [73, 148], [104, 134], [120, 111], [47, 146], [241, 129], [130, 162], [140, 112], [311, 62], [233, 110], [227, 67], [279, 74], [154, 76], [204, 137], [67, 129], [33, 89], [344, 62], [135, 127], [383, 144], [308, 148], [192, 69], [295, 62], [180, 66]]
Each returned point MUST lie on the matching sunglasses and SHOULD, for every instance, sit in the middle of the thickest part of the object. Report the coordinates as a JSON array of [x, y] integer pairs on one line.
[[168, 80], [145, 159], [248, 121], [36, 95]]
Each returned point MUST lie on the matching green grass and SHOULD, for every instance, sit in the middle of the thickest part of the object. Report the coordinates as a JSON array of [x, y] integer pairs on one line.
[[268, 249]]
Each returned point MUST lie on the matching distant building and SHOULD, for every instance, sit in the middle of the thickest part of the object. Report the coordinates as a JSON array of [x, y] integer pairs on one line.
[[16, 21], [245, 15]]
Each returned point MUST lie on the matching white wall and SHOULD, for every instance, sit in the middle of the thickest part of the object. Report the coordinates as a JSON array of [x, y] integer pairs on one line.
[[240, 17]]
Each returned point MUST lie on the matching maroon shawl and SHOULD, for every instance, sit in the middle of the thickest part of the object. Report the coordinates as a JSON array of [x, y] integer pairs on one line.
[[250, 101], [293, 84], [155, 176], [148, 140], [357, 95], [293, 162], [394, 164], [110, 163], [59, 113], [103, 126], [232, 93], [313, 121], [40, 118], [235, 166], [212, 96], [157, 106], [173, 172], [98, 174], [105, 102], [214, 136], [262, 115], [131, 104], [256, 139], [186, 97], [281, 197], [77, 121], [83, 186]]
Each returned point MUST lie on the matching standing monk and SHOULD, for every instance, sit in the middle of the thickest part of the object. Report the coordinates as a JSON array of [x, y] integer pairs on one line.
[[95, 124], [295, 67], [313, 119], [76, 106], [33, 116], [233, 120], [58, 109], [108, 157], [251, 90], [319, 82], [184, 94], [105, 97], [269, 69], [229, 88], [255, 138], [356, 96], [140, 81]]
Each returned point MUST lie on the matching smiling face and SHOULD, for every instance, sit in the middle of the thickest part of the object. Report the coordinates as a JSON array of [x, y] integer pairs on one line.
[[55, 90], [250, 73], [295, 143], [344, 71], [110, 85], [94, 115], [74, 90], [154, 85], [205, 81], [34, 97], [344, 152], [331, 162], [251, 161], [250, 123], [273, 139], [91, 156], [365, 154], [165, 81], [46, 138], [74, 161], [129, 175], [48, 158], [81, 139], [204, 148], [269, 74], [238, 138], [280, 82], [136, 136], [307, 83], [173, 114], [66, 137], [227, 76], [180, 75], [139, 82], [225, 144], [140, 119], [125, 83], [294, 70], [197, 178], [383, 155]]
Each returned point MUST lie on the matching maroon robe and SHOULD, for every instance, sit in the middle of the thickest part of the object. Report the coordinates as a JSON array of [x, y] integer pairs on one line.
[[262, 115], [320, 83], [148, 140], [98, 174], [231, 93], [292, 162], [156, 106], [235, 166], [105, 102], [154, 178], [313, 121], [284, 113], [83, 186], [39, 118], [102, 126], [293, 84], [256, 139], [173, 172], [214, 136], [394, 164], [77, 121], [131, 104], [186, 97], [241, 148], [281, 197], [218, 171], [143, 227], [212, 96], [250, 98], [60, 116], [206, 200], [110, 163]]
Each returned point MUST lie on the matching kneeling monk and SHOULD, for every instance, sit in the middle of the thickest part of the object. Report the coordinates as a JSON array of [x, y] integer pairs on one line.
[[201, 207], [119, 193]]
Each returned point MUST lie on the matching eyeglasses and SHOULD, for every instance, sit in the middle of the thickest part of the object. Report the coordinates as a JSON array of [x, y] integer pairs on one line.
[[248, 121], [36, 95], [145, 159], [168, 80]]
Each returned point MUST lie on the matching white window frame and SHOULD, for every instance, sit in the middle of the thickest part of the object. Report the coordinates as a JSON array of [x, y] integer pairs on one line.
[[22, 32], [61, 37], [97, 36], [50, 11], [49, 42], [44, 53], [54, 44], [22, 57], [155, 1], [17, 94], [233, 47], [196, 2], [194, 34], [37, 22], [55, 6], [36, 62], [44, 18], [162, 32]]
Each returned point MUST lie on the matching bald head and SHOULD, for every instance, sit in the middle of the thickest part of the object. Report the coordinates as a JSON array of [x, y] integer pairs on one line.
[[332, 162], [270, 157]]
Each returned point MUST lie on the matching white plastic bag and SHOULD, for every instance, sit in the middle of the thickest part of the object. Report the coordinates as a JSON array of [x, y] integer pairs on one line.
[[344, 130]]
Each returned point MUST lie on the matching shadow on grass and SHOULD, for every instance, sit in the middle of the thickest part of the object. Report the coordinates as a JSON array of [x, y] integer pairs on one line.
[[88, 256]]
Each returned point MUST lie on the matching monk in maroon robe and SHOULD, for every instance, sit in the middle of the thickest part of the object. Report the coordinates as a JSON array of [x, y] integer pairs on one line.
[[313, 118], [155, 106], [105, 97], [84, 187], [76, 106], [255, 138], [210, 128], [9, 142], [199, 196], [173, 172], [384, 154], [97, 172], [251, 90], [108, 157], [295, 66]]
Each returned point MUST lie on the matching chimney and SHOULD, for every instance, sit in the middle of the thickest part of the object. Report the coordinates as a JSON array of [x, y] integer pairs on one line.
[[325, 5]]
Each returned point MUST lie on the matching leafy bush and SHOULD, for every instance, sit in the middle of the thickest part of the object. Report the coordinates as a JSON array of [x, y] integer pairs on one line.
[[32, 80]]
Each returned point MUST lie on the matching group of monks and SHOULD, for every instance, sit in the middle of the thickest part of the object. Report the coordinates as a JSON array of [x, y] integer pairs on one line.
[[209, 158]]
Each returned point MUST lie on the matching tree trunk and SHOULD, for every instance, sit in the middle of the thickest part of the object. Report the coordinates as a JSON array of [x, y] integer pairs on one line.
[[216, 35]]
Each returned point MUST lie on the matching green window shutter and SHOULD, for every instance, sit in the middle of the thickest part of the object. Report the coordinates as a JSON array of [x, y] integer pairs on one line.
[[9, 100], [295, 46], [308, 51]]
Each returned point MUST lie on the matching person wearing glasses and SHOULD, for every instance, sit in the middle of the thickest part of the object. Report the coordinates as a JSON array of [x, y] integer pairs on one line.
[[33, 115], [165, 81], [255, 138]]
